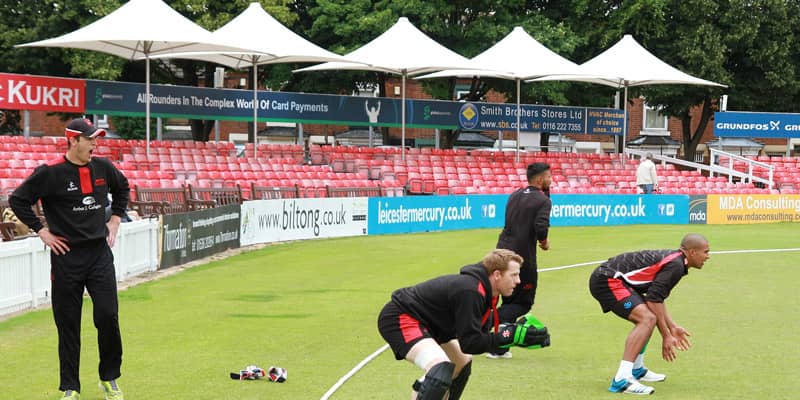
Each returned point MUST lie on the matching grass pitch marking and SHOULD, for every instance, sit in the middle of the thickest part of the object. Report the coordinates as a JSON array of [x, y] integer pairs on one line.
[[352, 372], [383, 348]]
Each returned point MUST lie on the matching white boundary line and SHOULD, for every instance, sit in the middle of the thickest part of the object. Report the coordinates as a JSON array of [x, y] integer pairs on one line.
[[352, 372], [383, 348], [571, 266], [756, 251]]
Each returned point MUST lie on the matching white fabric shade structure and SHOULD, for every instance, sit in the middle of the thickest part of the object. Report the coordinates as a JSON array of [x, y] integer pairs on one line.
[[403, 50], [140, 29], [517, 56], [626, 64], [268, 41]]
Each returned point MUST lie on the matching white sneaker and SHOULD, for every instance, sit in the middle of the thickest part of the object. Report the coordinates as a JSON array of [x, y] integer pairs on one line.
[[630, 385], [499, 356], [645, 375]]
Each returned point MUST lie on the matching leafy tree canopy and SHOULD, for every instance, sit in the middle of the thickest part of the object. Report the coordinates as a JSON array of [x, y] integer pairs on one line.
[[751, 46]]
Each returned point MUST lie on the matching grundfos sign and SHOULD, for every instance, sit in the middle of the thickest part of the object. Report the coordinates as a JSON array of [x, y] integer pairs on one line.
[[30, 92]]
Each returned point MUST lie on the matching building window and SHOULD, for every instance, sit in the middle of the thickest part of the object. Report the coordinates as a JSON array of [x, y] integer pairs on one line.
[[461, 89], [653, 119]]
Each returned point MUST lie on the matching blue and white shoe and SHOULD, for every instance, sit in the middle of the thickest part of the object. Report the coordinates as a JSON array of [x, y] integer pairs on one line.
[[630, 385], [645, 375]]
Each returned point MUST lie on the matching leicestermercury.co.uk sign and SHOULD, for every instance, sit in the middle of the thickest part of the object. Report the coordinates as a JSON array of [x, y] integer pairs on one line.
[[28, 92]]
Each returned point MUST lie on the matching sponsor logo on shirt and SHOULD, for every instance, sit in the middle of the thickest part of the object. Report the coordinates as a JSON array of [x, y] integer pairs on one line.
[[89, 204], [71, 187]]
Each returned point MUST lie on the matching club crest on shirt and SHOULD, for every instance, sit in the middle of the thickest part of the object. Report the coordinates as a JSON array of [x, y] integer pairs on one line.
[[71, 187]]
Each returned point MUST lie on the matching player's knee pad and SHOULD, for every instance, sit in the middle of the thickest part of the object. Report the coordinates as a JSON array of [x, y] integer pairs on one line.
[[436, 382], [460, 382]]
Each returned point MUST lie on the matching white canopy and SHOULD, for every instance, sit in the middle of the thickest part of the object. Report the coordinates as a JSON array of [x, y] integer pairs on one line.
[[268, 42], [517, 56], [404, 50], [627, 63], [136, 30], [139, 29]]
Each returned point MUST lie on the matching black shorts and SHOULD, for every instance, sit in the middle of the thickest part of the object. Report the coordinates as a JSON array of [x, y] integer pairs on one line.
[[614, 295], [400, 330]]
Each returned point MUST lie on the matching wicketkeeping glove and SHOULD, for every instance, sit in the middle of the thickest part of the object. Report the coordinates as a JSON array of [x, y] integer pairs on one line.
[[506, 333], [527, 332], [250, 372]]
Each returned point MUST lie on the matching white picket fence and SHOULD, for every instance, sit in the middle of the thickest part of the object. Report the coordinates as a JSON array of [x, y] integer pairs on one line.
[[25, 264]]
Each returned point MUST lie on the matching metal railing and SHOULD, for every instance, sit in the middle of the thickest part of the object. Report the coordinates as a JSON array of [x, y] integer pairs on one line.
[[718, 157], [715, 168], [668, 160]]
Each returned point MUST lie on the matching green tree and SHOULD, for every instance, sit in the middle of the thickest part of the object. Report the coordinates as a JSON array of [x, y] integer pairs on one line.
[[212, 15], [748, 45], [132, 127], [466, 26], [469, 27], [29, 21]]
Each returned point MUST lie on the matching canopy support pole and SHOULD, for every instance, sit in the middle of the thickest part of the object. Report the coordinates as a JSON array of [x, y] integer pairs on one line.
[[403, 117]]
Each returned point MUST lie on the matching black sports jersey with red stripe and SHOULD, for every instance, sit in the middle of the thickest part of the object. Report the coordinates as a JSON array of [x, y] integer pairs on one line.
[[453, 306], [652, 273], [73, 198], [527, 221]]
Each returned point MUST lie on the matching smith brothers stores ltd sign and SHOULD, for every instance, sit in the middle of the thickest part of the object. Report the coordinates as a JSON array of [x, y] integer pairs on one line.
[[120, 98]]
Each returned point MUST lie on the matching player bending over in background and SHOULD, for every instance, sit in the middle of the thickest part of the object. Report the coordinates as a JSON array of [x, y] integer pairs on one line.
[[437, 324], [634, 286]]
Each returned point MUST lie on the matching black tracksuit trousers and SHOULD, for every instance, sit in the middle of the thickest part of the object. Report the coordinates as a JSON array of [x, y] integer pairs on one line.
[[89, 265]]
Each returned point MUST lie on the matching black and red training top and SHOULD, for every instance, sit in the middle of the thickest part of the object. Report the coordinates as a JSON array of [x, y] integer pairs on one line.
[[74, 198], [652, 273]]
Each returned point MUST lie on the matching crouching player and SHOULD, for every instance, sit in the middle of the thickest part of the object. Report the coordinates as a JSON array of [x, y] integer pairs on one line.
[[634, 286], [437, 324]]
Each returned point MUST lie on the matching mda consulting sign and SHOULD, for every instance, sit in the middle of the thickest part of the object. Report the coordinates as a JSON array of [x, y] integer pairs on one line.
[[698, 209]]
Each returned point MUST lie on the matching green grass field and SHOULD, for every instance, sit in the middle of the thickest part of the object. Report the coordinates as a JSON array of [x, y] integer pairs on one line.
[[311, 307]]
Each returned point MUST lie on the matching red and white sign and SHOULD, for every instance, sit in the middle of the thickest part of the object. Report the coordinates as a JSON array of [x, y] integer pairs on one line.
[[30, 92]]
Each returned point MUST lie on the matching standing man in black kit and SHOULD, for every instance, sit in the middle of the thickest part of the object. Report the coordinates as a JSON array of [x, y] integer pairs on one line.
[[527, 223], [74, 193]]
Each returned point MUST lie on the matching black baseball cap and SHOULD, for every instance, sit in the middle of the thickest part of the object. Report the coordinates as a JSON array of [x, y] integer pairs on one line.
[[83, 127]]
